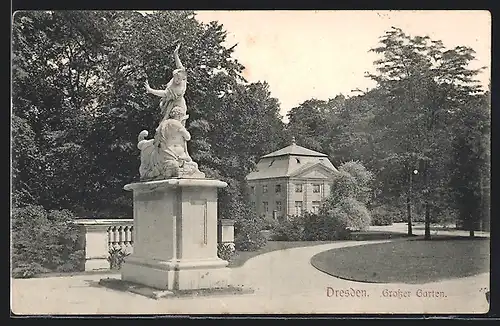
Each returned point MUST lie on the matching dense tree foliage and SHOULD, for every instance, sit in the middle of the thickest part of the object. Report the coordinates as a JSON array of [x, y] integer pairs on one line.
[[413, 120], [79, 104]]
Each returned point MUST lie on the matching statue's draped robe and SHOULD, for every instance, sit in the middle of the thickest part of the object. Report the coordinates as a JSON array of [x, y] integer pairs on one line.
[[172, 99], [156, 157]]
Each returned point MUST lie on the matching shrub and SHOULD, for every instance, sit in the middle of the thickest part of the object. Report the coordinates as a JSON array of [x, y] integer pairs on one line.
[[343, 186], [322, 227], [247, 233], [117, 257], [289, 229], [44, 241], [269, 223], [345, 207], [246, 241], [348, 214], [444, 215], [225, 251], [351, 214], [360, 185], [384, 215]]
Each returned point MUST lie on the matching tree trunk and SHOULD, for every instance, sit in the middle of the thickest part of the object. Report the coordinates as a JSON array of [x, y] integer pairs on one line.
[[408, 210], [427, 218], [427, 235], [408, 205], [472, 224]]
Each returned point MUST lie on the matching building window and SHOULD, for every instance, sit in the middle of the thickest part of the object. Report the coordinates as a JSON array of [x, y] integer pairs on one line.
[[316, 188], [264, 188], [298, 187], [278, 188], [278, 206], [252, 189], [315, 207], [298, 208], [266, 206]]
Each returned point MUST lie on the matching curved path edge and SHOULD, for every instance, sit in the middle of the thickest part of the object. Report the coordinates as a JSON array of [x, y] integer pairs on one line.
[[284, 282]]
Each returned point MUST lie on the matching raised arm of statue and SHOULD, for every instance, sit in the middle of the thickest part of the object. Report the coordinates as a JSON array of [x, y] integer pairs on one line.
[[178, 62], [157, 92]]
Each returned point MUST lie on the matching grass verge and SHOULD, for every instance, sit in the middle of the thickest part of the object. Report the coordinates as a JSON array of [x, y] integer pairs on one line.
[[415, 261]]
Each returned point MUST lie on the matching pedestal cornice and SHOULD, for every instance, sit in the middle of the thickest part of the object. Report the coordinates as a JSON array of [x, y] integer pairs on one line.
[[174, 183]]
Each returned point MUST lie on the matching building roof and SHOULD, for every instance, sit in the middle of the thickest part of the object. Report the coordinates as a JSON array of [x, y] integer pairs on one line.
[[289, 161], [295, 149]]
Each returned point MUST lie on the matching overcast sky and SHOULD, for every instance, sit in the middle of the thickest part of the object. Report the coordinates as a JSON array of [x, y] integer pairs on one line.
[[319, 54]]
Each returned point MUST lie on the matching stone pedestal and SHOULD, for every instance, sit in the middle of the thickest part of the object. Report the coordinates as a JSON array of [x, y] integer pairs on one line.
[[94, 241], [175, 235]]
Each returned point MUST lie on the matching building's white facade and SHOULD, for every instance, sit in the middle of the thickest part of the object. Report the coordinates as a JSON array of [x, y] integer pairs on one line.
[[290, 181]]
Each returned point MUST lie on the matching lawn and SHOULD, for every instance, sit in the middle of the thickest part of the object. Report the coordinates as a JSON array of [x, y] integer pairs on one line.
[[242, 256], [414, 261]]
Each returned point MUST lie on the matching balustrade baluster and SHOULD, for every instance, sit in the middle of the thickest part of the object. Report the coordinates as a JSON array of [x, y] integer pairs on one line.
[[116, 237], [122, 237], [109, 232], [128, 238]]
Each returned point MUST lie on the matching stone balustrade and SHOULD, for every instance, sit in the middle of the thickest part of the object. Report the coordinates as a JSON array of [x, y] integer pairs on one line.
[[121, 237], [97, 237]]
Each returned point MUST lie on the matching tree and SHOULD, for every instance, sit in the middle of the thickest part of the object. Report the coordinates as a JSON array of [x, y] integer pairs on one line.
[[55, 69], [424, 86], [26, 160], [309, 123], [346, 204], [80, 103], [470, 163]]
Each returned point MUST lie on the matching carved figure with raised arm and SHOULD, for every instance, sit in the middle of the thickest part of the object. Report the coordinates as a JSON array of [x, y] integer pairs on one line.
[[173, 95]]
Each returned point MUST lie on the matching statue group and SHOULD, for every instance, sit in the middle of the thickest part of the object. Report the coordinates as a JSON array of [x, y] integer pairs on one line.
[[166, 155]]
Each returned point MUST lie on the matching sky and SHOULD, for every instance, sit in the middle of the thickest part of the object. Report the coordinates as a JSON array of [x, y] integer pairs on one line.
[[320, 54]]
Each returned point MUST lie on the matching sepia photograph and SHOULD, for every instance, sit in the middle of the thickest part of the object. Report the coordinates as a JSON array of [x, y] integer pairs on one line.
[[250, 162]]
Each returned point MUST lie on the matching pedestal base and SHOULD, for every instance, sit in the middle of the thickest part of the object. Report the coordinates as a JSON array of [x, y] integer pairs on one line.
[[175, 236], [181, 275]]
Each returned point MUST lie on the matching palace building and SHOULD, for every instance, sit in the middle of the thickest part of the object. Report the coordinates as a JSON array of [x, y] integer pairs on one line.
[[290, 181]]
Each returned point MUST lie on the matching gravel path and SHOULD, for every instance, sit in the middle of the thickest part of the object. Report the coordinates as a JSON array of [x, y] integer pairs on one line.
[[284, 282]]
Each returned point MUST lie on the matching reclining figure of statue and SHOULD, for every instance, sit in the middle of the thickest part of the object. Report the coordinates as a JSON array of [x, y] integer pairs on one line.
[[166, 156], [173, 95]]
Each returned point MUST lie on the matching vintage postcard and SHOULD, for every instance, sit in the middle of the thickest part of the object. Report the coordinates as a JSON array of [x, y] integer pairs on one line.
[[250, 162]]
